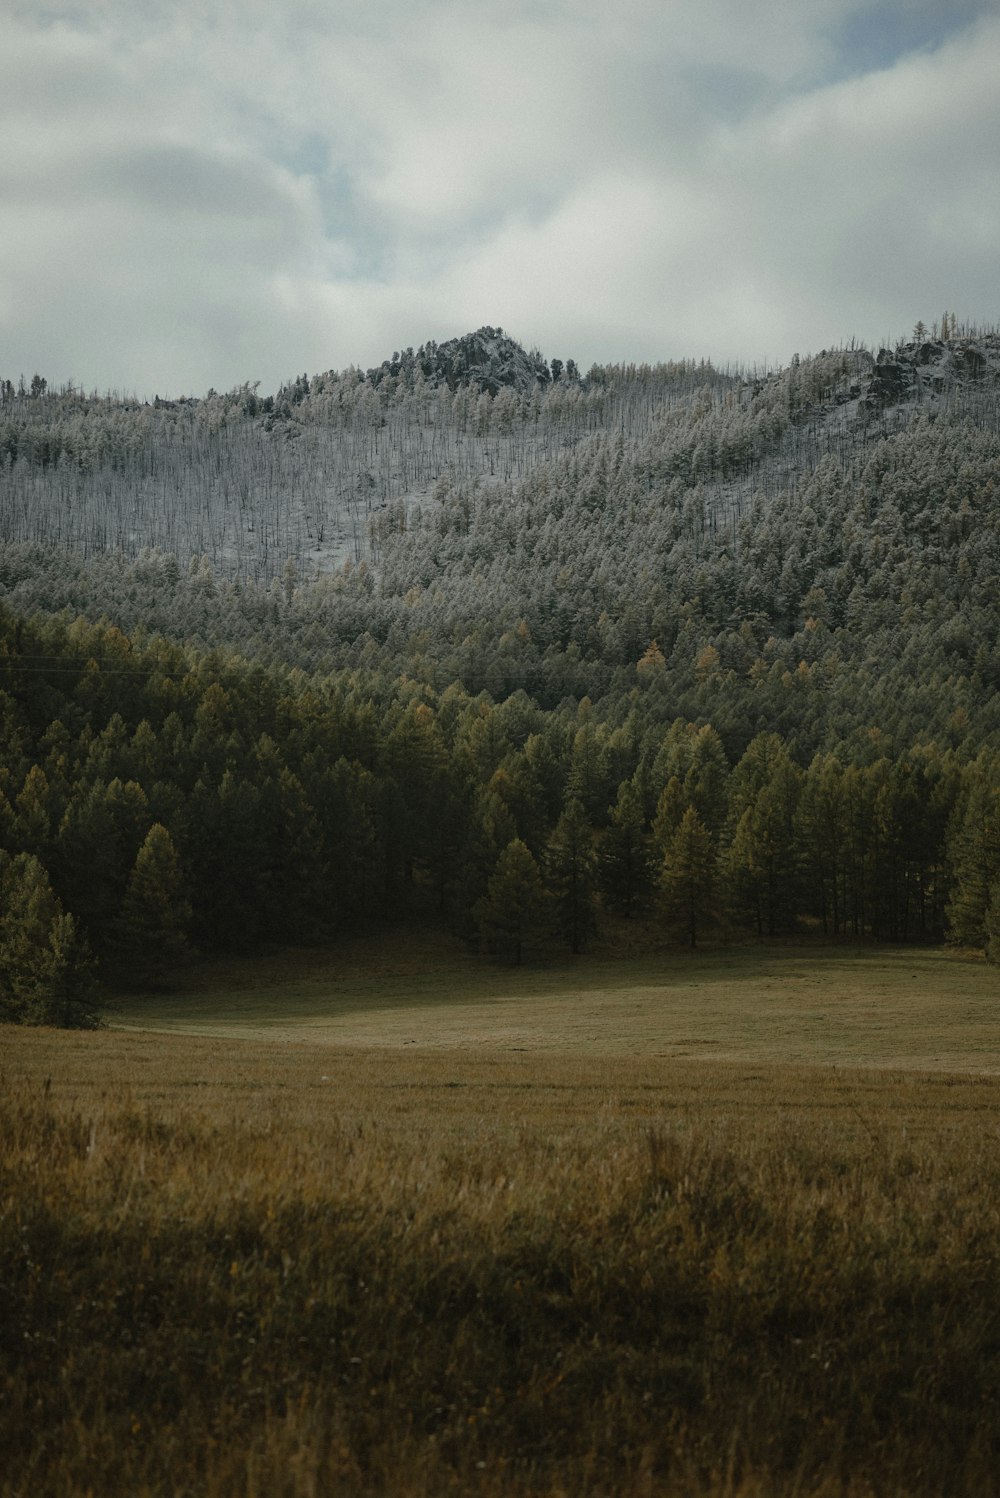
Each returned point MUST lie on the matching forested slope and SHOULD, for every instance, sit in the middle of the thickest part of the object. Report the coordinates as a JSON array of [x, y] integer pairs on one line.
[[656, 641]]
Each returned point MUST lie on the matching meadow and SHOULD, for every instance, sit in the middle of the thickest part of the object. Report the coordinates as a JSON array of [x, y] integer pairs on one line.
[[846, 1005], [726, 1224]]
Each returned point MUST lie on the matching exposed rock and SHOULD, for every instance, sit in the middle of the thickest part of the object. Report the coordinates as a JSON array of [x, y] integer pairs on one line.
[[970, 362], [487, 359], [930, 367], [892, 379]]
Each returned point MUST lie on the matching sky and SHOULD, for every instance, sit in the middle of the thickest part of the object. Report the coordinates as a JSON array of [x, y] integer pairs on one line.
[[198, 193]]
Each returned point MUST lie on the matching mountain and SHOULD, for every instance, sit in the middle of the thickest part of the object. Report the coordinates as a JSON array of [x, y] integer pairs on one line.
[[320, 657]]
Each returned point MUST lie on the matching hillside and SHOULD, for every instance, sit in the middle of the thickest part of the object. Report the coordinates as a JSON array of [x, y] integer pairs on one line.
[[707, 650]]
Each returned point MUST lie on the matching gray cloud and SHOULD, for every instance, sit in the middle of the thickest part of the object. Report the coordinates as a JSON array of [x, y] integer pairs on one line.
[[189, 200]]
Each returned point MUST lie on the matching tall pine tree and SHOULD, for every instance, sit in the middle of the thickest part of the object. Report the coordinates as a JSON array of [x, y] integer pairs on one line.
[[156, 912], [975, 855], [625, 860], [511, 912], [47, 975], [570, 876], [687, 880]]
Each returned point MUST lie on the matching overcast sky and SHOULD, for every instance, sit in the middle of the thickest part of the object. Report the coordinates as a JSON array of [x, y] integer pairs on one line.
[[195, 193]]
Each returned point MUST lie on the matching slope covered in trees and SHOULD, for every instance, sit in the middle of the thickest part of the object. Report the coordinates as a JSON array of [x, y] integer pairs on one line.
[[662, 642]]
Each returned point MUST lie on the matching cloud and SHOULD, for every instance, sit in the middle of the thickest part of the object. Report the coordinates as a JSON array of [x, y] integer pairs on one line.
[[195, 196]]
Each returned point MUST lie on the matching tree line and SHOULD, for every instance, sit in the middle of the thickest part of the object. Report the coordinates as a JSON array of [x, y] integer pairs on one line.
[[713, 652], [157, 798]]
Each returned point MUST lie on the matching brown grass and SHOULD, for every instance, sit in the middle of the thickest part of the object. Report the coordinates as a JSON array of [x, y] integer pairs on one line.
[[237, 1267]]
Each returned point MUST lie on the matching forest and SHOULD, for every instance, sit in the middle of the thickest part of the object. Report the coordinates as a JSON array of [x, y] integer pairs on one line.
[[475, 639]]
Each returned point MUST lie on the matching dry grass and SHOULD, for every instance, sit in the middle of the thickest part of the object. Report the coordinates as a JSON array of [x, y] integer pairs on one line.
[[236, 1267]]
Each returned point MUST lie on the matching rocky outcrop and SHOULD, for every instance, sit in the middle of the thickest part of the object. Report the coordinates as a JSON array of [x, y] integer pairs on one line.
[[892, 380], [930, 368], [487, 359]]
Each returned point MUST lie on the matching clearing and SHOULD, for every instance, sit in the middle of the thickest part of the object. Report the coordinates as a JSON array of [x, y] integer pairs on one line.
[[796, 1004]]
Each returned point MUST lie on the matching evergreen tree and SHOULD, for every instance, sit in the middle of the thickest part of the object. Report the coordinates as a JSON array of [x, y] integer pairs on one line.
[[760, 862], [511, 912], [696, 760], [687, 880], [625, 859], [670, 808], [221, 847], [27, 911], [47, 975], [417, 760], [99, 836], [570, 876], [491, 829], [71, 996], [975, 856], [821, 832], [156, 911], [992, 924]]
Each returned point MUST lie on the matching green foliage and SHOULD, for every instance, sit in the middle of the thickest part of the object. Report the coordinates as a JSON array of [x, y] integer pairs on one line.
[[511, 914], [688, 879], [626, 855], [47, 975], [975, 854], [823, 696], [760, 860], [992, 924], [570, 876], [152, 930]]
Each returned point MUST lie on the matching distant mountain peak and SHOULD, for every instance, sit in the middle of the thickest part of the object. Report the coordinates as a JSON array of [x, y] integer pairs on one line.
[[487, 359]]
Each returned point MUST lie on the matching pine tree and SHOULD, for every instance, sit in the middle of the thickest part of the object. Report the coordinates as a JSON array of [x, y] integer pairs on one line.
[[821, 831], [491, 828], [992, 924], [760, 863], [625, 859], [71, 996], [511, 911], [156, 912], [670, 808], [27, 911], [47, 975], [570, 876], [696, 759], [99, 836], [975, 856], [687, 880]]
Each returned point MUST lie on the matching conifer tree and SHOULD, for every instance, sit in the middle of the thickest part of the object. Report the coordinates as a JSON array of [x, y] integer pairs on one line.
[[511, 911], [975, 856], [570, 876], [491, 829], [821, 830], [760, 861], [27, 911], [670, 808], [687, 880], [625, 861], [156, 911], [47, 975], [70, 993], [992, 924]]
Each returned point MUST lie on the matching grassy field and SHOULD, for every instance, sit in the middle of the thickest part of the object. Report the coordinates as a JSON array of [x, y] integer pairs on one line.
[[847, 1006], [485, 1263]]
